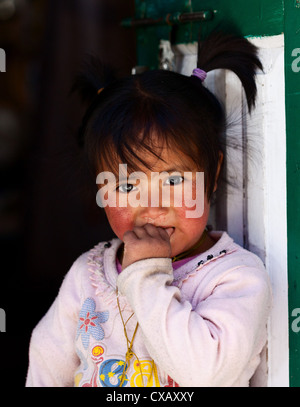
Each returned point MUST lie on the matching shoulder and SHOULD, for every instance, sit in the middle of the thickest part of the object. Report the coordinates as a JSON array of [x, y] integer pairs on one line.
[[94, 258], [235, 261], [234, 253], [224, 264], [230, 274], [88, 268], [226, 255]]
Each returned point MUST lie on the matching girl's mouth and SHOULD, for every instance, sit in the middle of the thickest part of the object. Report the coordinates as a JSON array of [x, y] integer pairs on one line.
[[170, 230]]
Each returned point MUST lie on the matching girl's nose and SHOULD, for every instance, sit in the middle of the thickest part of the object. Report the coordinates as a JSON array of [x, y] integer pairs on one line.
[[153, 214]]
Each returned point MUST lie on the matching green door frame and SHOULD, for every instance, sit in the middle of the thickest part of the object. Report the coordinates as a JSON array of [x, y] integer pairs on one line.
[[253, 19], [292, 103]]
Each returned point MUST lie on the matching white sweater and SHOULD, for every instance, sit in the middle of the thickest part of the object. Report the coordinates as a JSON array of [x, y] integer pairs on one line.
[[203, 324]]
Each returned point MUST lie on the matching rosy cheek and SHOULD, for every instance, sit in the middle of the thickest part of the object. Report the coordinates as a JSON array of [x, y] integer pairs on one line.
[[120, 219], [193, 225]]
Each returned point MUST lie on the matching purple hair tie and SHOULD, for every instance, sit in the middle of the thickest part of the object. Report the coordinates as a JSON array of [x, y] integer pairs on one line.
[[200, 74]]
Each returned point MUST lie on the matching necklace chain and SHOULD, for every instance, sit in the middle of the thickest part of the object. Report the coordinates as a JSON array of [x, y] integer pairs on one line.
[[129, 354]]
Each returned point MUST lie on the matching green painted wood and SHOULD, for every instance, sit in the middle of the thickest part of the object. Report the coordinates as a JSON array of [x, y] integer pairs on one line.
[[292, 96], [249, 18]]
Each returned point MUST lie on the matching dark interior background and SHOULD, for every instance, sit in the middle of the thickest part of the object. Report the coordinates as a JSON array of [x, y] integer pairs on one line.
[[47, 216]]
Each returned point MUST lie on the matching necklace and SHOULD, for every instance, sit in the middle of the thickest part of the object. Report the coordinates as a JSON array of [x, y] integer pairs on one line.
[[189, 251], [129, 354]]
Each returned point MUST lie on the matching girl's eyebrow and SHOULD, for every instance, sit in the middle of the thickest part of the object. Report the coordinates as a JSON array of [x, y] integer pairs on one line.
[[180, 168]]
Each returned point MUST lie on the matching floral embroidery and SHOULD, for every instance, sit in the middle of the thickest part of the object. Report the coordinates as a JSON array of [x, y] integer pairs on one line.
[[89, 322]]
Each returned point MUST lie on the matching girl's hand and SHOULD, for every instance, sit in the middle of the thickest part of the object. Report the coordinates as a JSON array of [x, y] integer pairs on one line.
[[146, 242]]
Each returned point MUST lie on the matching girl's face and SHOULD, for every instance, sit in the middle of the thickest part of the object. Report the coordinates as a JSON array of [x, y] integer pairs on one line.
[[179, 173]]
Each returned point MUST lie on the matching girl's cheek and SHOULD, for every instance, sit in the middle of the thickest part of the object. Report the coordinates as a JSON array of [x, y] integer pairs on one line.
[[120, 220], [195, 222], [191, 225]]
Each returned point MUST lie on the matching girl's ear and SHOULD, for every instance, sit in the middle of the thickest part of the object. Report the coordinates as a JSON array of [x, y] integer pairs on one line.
[[220, 162]]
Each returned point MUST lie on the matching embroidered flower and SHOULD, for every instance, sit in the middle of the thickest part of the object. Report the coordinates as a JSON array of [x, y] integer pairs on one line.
[[89, 322]]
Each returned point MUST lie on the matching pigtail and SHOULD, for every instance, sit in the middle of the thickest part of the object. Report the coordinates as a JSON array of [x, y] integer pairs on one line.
[[93, 77], [223, 51], [89, 83]]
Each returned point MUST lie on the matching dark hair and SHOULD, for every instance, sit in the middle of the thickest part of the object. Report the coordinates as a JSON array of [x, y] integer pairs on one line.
[[183, 113]]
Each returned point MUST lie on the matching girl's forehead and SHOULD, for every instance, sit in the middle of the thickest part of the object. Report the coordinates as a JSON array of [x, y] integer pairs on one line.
[[157, 159], [168, 158]]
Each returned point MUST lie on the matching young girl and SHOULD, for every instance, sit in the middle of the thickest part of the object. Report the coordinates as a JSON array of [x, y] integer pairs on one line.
[[166, 303]]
